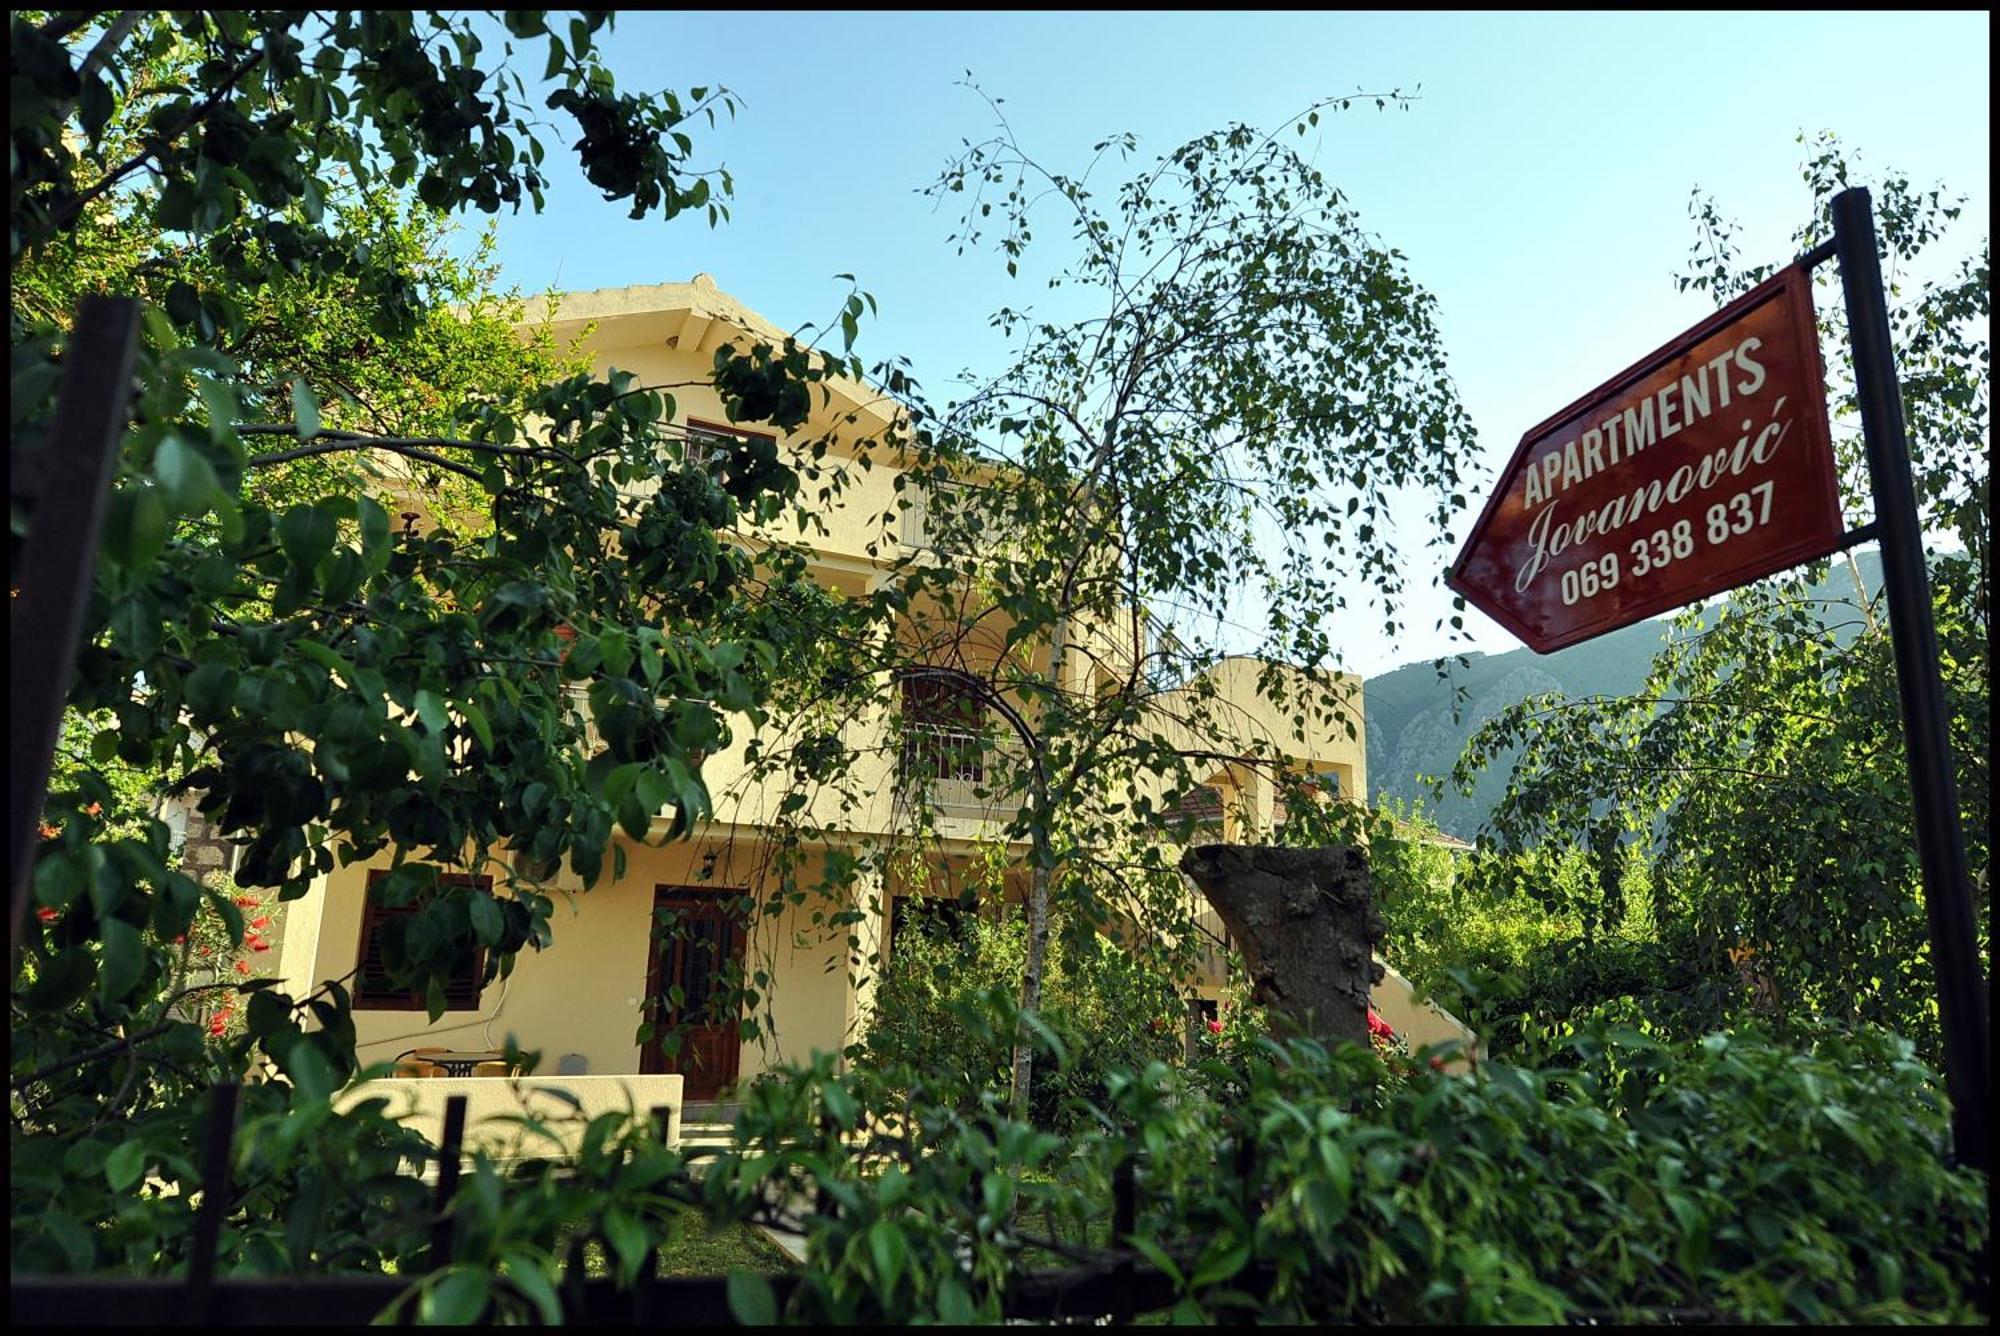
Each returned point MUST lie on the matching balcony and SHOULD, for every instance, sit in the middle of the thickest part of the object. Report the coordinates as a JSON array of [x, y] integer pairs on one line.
[[963, 772], [953, 517]]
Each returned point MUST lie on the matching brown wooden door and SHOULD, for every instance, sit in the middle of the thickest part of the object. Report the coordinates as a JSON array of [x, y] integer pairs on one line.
[[697, 937]]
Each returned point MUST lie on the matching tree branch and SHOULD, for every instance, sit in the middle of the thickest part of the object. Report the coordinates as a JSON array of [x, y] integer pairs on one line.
[[121, 28], [88, 1056], [407, 449], [75, 204]]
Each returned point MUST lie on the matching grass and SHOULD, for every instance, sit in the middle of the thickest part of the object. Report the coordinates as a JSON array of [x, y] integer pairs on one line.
[[707, 1251], [715, 1252], [710, 1252]]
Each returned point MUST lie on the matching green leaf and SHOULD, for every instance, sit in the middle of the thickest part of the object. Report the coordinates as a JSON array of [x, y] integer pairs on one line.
[[840, 1103], [311, 1073], [1222, 1265], [124, 1164], [219, 397], [124, 958], [209, 690], [654, 790], [184, 475], [306, 534], [326, 658], [527, 1276], [375, 540], [627, 1240], [954, 1302], [175, 212], [615, 649], [488, 923], [1157, 1255], [305, 409], [476, 720], [457, 1299], [431, 710], [182, 301], [31, 386], [618, 785], [890, 1254], [751, 1299]]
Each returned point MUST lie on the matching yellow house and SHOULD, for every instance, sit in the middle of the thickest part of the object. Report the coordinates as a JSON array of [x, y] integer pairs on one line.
[[581, 1002]]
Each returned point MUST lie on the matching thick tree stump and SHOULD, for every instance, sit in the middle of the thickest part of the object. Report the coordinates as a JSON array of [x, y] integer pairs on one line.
[[1306, 922]]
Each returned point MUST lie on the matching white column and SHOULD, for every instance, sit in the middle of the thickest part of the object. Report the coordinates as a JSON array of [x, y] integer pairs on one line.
[[869, 895], [298, 953]]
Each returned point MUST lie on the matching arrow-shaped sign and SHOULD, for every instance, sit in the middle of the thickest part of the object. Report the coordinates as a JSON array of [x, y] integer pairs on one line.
[[1697, 469]]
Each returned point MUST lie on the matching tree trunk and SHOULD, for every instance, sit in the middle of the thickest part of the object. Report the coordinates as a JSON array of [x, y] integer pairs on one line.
[[1038, 895], [1307, 924]]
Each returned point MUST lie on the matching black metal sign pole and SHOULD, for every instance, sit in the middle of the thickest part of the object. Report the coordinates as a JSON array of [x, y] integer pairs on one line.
[[1962, 1004]]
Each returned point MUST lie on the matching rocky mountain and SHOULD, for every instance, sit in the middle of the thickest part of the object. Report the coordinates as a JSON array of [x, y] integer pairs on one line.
[[1413, 730]]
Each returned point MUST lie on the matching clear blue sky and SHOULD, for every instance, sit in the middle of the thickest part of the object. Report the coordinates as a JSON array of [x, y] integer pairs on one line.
[[1539, 186]]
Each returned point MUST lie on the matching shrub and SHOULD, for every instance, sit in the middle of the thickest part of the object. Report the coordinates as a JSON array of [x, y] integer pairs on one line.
[[1614, 1178], [1102, 1010]]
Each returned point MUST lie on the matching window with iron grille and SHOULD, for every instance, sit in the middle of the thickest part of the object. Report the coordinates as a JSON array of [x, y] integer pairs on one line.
[[380, 923], [708, 444], [944, 730], [941, 509]]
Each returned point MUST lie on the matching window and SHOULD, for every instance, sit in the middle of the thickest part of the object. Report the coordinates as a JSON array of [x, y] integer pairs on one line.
[[942, 507], [1315, 788], [934, 916], [1202, 805], [708, 445], [381, 923], [943, 730]]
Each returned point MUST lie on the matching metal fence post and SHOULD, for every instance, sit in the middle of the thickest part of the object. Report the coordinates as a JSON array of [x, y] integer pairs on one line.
[[649, 1267], [72, 473], [1124, 1224], [449, 1151], [215, 1166]]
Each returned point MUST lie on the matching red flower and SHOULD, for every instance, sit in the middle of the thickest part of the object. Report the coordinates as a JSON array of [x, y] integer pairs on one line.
[[47, 915], [95, 809], [249, 902], [1215, 1027], [219, 1024], [49, 832], [1377, 1027], [262, 920], [1437, 1064], [181, 940], [260, 946], [242, 967]]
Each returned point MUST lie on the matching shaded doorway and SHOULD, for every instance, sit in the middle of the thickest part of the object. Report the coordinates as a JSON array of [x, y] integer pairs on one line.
[[698, 944]]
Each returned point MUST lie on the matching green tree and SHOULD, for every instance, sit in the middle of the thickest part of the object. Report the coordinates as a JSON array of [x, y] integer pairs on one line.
[[1104, 1011], [263, 635], [1257, 377], [1761, 763]]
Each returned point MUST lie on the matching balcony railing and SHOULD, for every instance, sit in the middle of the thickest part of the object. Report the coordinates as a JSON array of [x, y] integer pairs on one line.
[[961, 771], [961, 514], [943, 752]]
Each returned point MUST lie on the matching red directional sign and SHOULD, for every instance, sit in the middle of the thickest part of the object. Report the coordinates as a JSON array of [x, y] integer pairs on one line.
[[1700, 468]]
